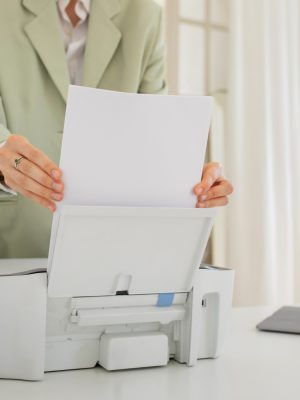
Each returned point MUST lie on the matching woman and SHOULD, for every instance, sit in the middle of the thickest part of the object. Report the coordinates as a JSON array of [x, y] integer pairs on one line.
[[45, 46]]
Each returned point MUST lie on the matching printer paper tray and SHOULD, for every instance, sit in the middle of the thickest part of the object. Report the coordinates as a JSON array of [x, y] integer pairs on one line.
[[126, 249]]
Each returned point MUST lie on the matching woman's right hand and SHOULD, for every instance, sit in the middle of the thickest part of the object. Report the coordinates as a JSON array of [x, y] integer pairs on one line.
[[36, 176]]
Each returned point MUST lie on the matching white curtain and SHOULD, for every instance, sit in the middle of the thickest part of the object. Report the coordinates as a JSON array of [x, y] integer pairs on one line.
[[263, 151]]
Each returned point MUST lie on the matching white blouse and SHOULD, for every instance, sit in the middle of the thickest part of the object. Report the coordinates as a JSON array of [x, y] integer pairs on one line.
[[75, 37]]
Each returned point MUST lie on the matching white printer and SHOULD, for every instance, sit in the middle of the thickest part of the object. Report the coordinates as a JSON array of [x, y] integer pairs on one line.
[[124, 288]]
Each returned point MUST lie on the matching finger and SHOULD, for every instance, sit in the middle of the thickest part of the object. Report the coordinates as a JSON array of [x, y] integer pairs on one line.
[[30, 185], [218, 202], [33, 171], [224, 188], [211, 174], [212, 166], [25, 149], [50, 205]]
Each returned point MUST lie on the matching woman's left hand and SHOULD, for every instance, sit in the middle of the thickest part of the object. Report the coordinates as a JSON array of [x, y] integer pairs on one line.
[[213, 190]]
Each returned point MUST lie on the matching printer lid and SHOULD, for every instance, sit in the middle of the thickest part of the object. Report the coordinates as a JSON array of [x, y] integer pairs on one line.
[[99, 251], [22, 266]]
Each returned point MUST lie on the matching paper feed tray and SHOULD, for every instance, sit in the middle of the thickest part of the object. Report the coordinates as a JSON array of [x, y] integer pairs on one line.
[[101, 251]]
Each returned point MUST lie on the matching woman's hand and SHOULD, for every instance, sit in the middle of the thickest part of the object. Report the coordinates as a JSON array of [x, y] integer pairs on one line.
[[35, 176], [213, 190]]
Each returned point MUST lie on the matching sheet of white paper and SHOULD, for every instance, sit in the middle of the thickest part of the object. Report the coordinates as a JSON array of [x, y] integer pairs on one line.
[[123, 149]]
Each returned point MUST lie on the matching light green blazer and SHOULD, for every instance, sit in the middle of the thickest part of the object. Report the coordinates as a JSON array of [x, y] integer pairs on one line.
[[124, 52]]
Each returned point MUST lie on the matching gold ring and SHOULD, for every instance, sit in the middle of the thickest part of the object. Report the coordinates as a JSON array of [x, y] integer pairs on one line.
[[18, 161]]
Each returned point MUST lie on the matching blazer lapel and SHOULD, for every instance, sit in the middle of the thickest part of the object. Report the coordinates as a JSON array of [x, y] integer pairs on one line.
[[44, 32], [102, 40]]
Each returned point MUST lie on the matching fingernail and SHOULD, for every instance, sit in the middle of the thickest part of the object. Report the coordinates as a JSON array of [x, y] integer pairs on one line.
[[57, 186], [199, 191], [52, 207], [201, 205], [55, 173], [56, 196], [204, 197]]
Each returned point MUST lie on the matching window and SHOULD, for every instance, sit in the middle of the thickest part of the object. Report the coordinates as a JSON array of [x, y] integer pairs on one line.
[[197, 39]]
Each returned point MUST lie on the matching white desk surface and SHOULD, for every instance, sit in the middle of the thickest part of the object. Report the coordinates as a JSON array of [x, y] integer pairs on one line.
[[254, 365]]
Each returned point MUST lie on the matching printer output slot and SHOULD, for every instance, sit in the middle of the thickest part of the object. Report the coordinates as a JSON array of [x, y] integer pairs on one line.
[[130, 315]]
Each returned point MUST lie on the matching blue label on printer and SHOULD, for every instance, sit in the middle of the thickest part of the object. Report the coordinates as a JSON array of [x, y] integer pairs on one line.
[[165, 299]]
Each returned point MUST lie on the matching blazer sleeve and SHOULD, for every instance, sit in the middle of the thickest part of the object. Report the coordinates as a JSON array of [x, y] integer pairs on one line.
[[153, 79], [4, 131]]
